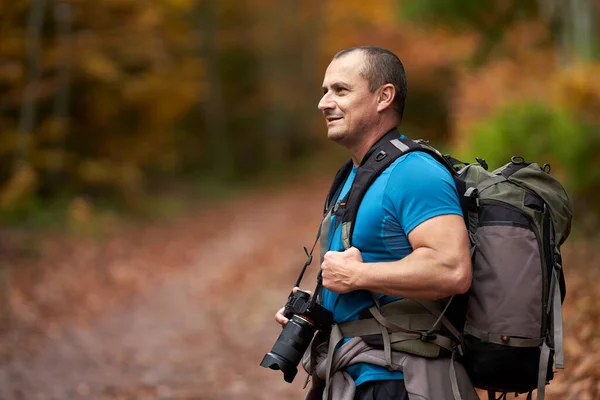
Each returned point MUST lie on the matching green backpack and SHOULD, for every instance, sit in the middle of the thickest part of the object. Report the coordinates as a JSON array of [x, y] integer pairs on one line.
[[517, 216]]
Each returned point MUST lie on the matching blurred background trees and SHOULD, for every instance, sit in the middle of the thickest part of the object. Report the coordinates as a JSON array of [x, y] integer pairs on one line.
[[118, 99]]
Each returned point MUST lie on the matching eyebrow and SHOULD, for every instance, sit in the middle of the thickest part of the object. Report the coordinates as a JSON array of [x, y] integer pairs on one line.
[[338, 85]]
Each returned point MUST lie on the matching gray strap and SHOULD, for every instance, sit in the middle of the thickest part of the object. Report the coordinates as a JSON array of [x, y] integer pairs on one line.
[[557, 323], [388, 324], [490, 182], [376, 300], [471, 191], [334, 338], [499, 338], [454, 380], [346, 234], [473, 217], [443, 342], [360, 327], [324, 234], [432, 308], [387, 345], [543, 370], [401, 146], [370, 326], [440, 340]]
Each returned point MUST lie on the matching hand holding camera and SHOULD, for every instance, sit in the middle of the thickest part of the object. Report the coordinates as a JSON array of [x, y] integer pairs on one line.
[[301, 317]]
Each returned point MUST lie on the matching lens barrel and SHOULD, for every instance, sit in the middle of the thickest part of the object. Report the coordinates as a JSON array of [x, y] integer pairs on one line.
[[289, 347]]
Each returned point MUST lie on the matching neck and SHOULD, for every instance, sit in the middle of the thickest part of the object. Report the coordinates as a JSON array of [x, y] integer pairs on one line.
[[359, 151]]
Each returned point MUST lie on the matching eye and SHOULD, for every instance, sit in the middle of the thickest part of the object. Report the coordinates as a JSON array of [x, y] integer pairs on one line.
[[341, 90]]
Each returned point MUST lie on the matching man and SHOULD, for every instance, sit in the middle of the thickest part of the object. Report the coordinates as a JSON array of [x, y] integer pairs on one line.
[[410, 240]]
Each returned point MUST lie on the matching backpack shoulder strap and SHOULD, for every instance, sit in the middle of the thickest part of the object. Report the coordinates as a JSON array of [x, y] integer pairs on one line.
[[380, 156], [336, 186]]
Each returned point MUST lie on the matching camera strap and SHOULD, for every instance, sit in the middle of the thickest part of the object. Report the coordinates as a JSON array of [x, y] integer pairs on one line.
[[323, 236]]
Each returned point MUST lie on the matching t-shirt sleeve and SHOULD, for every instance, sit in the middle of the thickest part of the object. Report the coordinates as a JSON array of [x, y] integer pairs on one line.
[[420, 188]]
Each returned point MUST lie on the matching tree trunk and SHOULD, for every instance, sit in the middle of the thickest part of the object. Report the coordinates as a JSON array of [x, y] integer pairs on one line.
[[27, 118], [220, 153], [274, 71], [62, 21], [574, 26], [582, 17]]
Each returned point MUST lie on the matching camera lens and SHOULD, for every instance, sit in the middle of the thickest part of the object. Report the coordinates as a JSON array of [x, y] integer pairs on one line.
[[290, 347]]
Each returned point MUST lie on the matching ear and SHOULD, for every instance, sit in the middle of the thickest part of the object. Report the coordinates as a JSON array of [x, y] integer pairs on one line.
[[387, 93]]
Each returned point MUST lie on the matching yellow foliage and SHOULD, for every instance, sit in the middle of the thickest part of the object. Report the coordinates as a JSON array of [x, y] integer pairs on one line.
[[95, 171], [340, 13], [129, 177], [81, 218], [9, 140], [53, 129], [100, 67], [49, 159], [80, 211], [578, 89], [11, 72], [179, 4], [21, 184]]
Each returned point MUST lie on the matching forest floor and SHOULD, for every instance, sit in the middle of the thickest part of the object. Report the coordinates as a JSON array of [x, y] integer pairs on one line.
[[183, 309]]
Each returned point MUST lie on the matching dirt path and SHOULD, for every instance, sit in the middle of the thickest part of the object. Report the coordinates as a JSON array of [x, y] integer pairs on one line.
[[198, 334], [185, 310]]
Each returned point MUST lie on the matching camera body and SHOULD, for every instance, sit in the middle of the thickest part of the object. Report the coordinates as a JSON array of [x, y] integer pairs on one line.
[[304, 320], [299, 304]]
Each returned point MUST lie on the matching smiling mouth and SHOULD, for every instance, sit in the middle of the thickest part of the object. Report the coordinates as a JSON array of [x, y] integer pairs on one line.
[[332, 119]]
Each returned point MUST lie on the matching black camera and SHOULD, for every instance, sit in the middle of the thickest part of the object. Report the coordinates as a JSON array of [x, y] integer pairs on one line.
[[305, 317]]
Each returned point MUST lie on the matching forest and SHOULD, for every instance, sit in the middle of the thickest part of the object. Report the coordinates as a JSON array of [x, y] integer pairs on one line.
[[137, 138]]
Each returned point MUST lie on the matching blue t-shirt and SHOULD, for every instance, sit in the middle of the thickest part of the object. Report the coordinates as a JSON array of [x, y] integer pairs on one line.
[[413, 189]]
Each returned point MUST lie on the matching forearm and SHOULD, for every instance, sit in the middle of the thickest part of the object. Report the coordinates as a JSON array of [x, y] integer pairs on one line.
[[424, 274]]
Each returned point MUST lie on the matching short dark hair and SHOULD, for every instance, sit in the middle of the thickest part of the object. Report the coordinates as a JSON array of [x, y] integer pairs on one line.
[[382, 67]]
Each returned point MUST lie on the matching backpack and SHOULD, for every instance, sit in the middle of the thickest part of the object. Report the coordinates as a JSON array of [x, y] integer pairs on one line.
[[517, 217]]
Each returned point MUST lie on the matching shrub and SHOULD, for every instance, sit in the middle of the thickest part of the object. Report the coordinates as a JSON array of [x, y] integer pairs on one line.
[[540, 133]]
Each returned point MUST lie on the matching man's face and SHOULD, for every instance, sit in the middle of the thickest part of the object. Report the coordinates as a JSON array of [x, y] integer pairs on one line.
[[348, 106]]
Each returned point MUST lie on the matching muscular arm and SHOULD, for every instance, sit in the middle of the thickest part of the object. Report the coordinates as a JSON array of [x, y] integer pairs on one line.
[[439, 266]]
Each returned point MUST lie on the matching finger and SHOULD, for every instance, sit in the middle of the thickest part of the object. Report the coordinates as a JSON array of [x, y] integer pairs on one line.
[[280, 318], [353, 250], [330, 253], [296, 288]]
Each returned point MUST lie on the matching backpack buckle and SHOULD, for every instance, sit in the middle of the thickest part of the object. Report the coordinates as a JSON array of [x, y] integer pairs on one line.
[[471, 198], [380, 156], [428, 336], [458, 349]]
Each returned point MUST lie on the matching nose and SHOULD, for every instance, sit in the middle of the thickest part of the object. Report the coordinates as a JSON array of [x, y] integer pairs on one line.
[[325, 103]]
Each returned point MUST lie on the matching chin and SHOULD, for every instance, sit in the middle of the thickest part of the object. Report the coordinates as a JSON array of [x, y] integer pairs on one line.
[[336, 135]]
